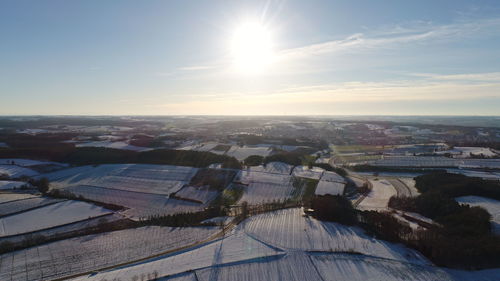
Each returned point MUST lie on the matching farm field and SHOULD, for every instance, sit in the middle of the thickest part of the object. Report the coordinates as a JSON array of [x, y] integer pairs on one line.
[[265, 187], [491, 205], [242, 152], [272, 167], [49, 216], [199, 193], [304, 172], [329, 187], [16, 206], [332, 176], [26, 162], [379, 196], [92, 252], [244, 255], [111, 144], [8, 197], [6, 185], [140, 205], [435, 161], [14, 171], [154, 179]]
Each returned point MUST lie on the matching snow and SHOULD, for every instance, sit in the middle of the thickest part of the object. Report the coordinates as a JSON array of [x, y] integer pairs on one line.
[[5, 185], [305, 172], [273, 168], [111, 144], [332, 176], [49, 216], [156, 179], [25, 204], [200, 193], [92, 252], [491, 205], [141, 205], [8, 197], [236, 247], [379, 196], [243, 152], [435, 161], [329, 187], [410, 183], [218, 220], [27, 162], [289, 229], [463, 152], [14, 171]]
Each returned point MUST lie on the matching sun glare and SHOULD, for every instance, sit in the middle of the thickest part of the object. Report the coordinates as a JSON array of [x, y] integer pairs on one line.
[[251, 48]]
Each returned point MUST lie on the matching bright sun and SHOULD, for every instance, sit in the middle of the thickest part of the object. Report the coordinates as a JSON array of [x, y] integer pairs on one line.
[[251, 48]]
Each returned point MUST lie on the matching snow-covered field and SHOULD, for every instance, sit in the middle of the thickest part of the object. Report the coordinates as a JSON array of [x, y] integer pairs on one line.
[[141, 205], [92, 252], [8, 197], [332, 176], [27, 162], [200, 193], [435, 161], [6, 185], [15, 171], [25, 204], [296, 249], [265, 187], [463, 152], [111, 144], [304, 172], [329, 187], [155, 179], [379, 196], [242, 152], [273, 168], [491, 205], [49, 216]]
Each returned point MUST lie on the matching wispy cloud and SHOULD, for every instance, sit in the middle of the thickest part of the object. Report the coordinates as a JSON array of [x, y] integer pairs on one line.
[[416, 32], [197, 67], [467, 77]]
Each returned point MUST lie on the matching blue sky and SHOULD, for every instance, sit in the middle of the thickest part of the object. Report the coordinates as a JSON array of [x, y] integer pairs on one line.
[[174, 57]]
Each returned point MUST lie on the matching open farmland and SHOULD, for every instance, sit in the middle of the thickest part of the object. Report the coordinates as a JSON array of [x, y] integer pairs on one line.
[[92, 252], [154, 179], [491, 205], [8, 197], [49, 216], [265, 187], [435, 162], [242, 152], [14, 171], [140, 205], [6, 185], [310, 173], [379, 196], [329, 187], [16, 206], [251, 252]]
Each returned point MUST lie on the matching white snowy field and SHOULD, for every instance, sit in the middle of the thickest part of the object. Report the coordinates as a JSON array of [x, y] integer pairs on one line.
[[6, 185], [15, 171], [272, 167], [49, 216], [156, 179], [491, 205], [329, 187], [141, 205], [306, 172], [289, 229], [435, 161], [242, 152], [477, 174], [112, 144], [379, 196], [92, 252], [265, 192], [27, 162], [332, 176], [8, 197], [252, 253], [200, 193], [16, 206], [464, 152], [410, 183]]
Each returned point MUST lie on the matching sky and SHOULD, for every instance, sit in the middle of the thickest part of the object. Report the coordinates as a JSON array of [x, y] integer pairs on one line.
[[392, 57]]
